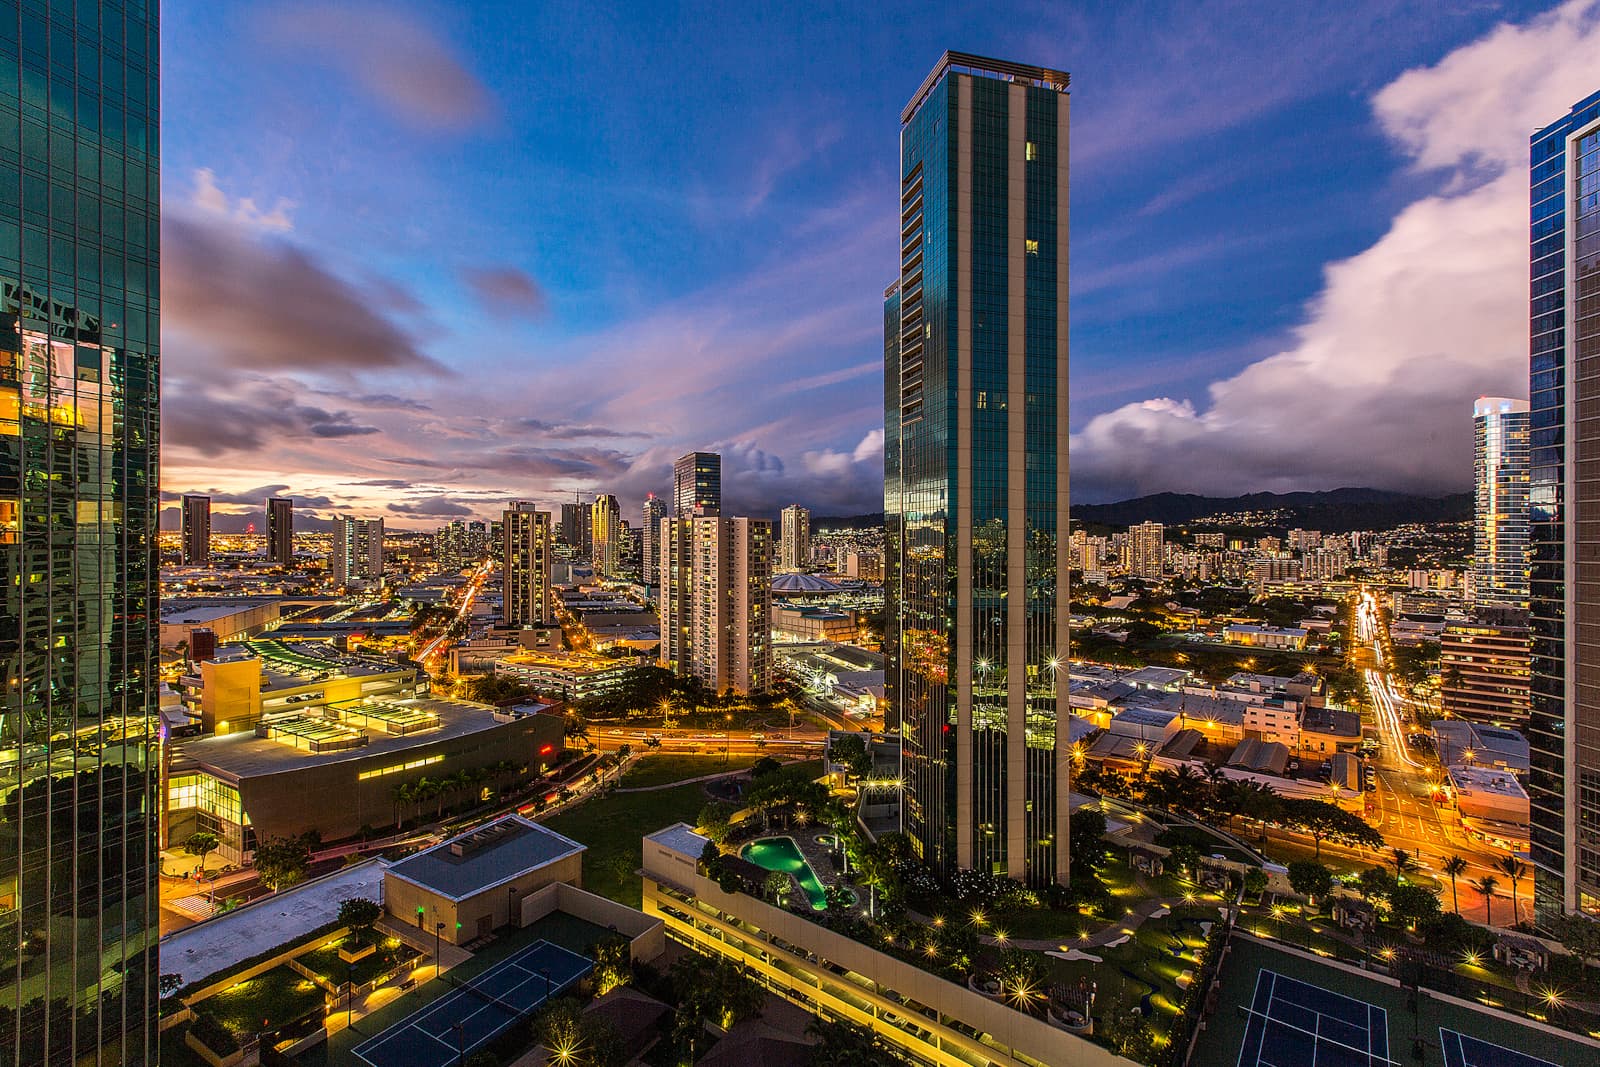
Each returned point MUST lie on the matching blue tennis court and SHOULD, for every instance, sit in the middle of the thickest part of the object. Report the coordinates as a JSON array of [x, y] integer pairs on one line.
[[1293, 1024], [1462, 1051], [469, 1018]]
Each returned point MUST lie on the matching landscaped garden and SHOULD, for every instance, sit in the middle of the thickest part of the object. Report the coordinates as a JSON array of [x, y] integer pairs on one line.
[[661, 768], [270, 1000], [387, 955]]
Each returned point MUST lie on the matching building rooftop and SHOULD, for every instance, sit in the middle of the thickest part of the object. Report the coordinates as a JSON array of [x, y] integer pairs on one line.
[[189, 612], [242, 755], [486, 857], [1486, 780], [1155, 677], [1331, 721], [681, 838], [802, 584]]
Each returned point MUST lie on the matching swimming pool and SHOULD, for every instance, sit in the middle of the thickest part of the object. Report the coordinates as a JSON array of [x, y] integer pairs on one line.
[[782, 854]]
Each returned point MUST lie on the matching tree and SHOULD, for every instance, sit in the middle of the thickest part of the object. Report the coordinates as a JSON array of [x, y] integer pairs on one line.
[[282, 862], [1329, 822], [613, 964], [1514, 869], [201, 843], [1255, 881], [1376, 886], [715, 821], [1412, 903], [1579, 934], [1487, 885], [763, 767], [1185, 857], [359, 914], [776, 886], [170, 984], [1310, 879], [1403, 863], [1087, 840], [1454, 867], [578, 1039], [851, 750], [843, 1045]]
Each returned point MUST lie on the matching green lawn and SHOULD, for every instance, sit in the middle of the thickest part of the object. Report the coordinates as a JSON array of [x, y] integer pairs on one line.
[[613, 827], [276, 998], [662, 768]]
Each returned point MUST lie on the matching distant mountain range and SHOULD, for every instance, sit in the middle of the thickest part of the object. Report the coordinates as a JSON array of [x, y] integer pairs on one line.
[[1333, 511]]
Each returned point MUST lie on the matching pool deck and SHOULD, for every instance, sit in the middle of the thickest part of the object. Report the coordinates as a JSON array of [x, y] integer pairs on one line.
[[816, 855]]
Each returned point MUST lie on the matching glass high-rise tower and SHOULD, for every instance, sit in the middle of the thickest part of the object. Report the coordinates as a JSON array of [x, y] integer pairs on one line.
[[1500, 511], [976, 468], [1564, 513], [79, 398]]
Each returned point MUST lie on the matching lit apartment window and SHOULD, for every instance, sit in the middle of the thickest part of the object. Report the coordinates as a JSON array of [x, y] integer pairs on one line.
[[1031, 246], [1033, 151]]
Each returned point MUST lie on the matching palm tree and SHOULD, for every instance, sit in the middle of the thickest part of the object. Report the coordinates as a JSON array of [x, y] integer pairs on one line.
[[1514, 869], [405, 795], [1455, 866], [1403, 862], [1487, 885]]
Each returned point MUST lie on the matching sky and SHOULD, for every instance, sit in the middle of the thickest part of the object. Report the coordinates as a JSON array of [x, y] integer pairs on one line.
[[420, 259]]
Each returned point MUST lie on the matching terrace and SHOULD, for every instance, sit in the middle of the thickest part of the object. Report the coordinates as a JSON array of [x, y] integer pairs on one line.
[[311, 734]]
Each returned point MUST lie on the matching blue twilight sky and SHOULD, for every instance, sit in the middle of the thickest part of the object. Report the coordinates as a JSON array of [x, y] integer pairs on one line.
[[420, 258]]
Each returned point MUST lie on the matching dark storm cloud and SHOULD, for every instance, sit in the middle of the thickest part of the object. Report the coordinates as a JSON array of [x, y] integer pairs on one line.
[[505, 290], [556, 462], [398, 58], [430, 507], [243, 299], [209, 421]]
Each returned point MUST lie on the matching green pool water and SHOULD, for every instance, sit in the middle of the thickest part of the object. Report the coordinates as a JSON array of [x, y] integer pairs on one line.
[[781, 854]]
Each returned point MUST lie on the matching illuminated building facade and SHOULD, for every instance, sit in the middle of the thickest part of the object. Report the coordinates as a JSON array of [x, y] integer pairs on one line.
[[528, 548], [606, 535], [1564, 513], [1500, 477], [357, 550], [976, 475], [650, 539], [196, 514], [794, 538], [280, 530], [79, 435]]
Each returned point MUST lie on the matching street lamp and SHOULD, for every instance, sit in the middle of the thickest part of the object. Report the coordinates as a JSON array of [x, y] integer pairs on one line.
[[438, 928]]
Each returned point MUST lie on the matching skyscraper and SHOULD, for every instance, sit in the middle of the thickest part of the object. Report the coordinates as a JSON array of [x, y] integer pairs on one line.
[[697, 485], [650, 539], [572, 524], [794, 541], [525, 581], [196, 530], [1500, 526], [280, 530], [79, 276], [357, 550], [1147, 549], [606, 535], [1564, 514], [721, 602], [976, 479]]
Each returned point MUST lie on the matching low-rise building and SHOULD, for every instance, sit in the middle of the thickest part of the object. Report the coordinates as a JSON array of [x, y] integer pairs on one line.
[[1291, 638], [246, 682], [473, 884], [229, 618], [339, 770], [1484, 672], [809, 622], [569, 676], [1493, 806], [1324, 731], [1470, 744]]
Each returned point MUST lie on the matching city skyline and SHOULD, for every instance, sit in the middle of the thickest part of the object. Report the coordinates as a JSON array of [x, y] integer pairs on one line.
[[1404, 179]]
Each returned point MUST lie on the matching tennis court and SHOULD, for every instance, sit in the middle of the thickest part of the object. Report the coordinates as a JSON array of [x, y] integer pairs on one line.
[[1296, 1024], [1462, 1050], [473, 1015]]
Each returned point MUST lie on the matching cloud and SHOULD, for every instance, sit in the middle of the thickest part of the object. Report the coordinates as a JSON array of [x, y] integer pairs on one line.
[[430, 507], [237, 298], [397, 57], [250, 415], [569, 431], [209, 198], [505, 291], [1376, 384]]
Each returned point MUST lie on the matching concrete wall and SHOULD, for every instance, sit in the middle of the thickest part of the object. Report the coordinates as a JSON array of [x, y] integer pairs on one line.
[[802, 946], [646, 934]]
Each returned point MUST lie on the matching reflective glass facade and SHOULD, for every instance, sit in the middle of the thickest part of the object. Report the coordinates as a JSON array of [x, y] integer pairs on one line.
[[79, 270], [1564, 512], [975, 485], [1500, 478]]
